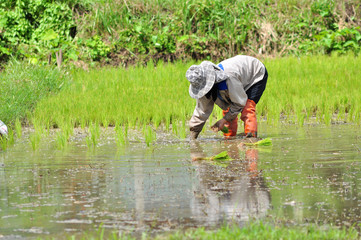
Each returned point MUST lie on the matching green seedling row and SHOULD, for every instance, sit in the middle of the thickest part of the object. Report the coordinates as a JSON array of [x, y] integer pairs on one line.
[[322, 89], [317, 90]]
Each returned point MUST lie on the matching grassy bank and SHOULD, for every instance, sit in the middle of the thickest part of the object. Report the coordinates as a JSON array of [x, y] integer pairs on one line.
[[257, 230], [126, 32], [268, 231]]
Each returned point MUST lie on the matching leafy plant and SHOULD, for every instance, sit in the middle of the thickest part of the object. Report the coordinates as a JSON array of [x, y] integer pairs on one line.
[[97, 48], [135, 32], [340, 41]]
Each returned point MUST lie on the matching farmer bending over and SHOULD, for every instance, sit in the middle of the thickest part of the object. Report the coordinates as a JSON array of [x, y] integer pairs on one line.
[[235, 85]]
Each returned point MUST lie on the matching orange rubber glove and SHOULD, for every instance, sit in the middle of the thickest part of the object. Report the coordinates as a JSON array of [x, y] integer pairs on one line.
[[232, 126], [249, 118]]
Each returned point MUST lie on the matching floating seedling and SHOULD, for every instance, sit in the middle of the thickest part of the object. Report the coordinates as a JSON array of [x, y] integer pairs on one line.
[[263, 142], [223, 156], [222, 159]]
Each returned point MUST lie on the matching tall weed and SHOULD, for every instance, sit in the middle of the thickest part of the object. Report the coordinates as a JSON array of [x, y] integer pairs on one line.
[[23, 85]]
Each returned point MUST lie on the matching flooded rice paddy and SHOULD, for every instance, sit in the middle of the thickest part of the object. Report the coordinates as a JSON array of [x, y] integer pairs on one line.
[[309, 174]]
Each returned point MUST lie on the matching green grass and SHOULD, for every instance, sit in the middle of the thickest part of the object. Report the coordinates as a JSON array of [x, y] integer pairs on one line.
[[318, 89], [131, 97], [300, 89], [260, 230], [252, 231], [23, 85]]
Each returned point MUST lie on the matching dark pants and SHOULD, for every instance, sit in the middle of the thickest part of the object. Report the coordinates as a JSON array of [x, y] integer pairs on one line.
[[255, 92]]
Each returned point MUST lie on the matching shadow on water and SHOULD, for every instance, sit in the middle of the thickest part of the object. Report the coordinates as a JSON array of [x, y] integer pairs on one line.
[[310, 174]]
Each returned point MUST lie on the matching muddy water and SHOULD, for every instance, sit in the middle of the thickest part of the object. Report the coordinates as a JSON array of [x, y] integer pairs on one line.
[[310, 174]]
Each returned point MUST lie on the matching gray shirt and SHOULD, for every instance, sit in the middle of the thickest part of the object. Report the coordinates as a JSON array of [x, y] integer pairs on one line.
[[243, 72]]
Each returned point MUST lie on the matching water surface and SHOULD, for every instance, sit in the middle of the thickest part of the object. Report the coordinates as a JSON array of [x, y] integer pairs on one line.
[[310, 174]]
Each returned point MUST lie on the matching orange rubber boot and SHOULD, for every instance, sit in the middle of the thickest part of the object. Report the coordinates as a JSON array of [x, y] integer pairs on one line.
[[249, 118], [232, 126]]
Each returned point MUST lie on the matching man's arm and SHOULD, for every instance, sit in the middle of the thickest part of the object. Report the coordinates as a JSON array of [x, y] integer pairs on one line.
[[203, 110]]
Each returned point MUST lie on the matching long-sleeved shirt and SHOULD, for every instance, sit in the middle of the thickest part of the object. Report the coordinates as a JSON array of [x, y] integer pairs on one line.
[[243, 72]]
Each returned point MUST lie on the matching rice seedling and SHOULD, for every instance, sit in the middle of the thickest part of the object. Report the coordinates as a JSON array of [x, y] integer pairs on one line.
[[83, 123], [6, 141], [299, 90], [121, 135], [149, 135], [105, 122], [61, 140], [263, 142], [183, 129], [93, 135], [167, 123], [221, 159], [35, 138], [3, 143], [175, 129], [36, 135], [18, 128]]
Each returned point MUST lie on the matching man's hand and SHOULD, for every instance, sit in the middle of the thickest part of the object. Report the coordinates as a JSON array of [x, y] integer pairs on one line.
[[193, 135], [219, 125]]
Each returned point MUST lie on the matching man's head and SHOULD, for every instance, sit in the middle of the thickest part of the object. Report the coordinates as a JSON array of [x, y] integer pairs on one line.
[[202, 78]]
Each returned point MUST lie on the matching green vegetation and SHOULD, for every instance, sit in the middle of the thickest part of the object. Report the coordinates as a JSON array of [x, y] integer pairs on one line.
[[23, 85], [124, 32], [49, 50], [222, 156], [320, 89], [263, 142], [255, 230], [259, 230], [127, 97], [300, 90], [312, 89], [94, 133]]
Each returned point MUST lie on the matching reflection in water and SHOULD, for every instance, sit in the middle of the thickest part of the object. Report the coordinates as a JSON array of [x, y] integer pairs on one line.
[[235, 192], [139, 192], [312, 174]]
